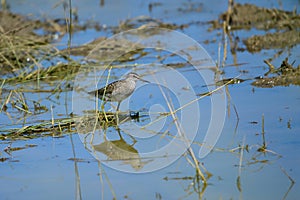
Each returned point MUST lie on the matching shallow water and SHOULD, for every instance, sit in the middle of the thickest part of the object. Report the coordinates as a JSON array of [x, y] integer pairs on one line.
[[46, 171]]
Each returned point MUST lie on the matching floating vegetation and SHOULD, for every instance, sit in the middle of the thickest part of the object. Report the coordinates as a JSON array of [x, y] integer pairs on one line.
[[141, 22], [101, 120], [285, 75], [59, 127], [104, 49], [112, 49], [10, 149], [53, 128]]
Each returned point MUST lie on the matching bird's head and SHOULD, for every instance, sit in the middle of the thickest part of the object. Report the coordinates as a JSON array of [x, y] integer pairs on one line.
[[135, 77]]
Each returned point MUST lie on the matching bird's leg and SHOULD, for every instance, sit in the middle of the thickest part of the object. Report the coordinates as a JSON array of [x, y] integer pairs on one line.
[[119, 102], [117, 114]]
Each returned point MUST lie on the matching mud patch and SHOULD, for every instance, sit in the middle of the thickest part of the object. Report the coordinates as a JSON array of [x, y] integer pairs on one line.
[[279, 40], [248, 16]]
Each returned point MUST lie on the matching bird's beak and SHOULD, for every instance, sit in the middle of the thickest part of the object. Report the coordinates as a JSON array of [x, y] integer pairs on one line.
[[144, 80]]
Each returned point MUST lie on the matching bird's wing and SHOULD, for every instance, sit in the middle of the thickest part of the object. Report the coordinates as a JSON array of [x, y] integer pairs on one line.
[[107, 90]]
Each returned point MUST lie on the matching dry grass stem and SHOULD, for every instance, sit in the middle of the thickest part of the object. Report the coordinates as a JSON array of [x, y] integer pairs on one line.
[[183, 136]]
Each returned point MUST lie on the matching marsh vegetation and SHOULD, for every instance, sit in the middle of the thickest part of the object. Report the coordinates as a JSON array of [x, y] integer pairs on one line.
[[256, 50]]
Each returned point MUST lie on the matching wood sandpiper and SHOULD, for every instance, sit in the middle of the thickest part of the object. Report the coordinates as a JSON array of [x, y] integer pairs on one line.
[[119, 90]]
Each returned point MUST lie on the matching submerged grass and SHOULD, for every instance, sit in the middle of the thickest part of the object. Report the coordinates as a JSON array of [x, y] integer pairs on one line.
[[60, 127]]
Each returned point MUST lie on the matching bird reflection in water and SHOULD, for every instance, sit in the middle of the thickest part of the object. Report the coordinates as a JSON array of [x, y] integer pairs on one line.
[[120, 150], [114, 150]]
